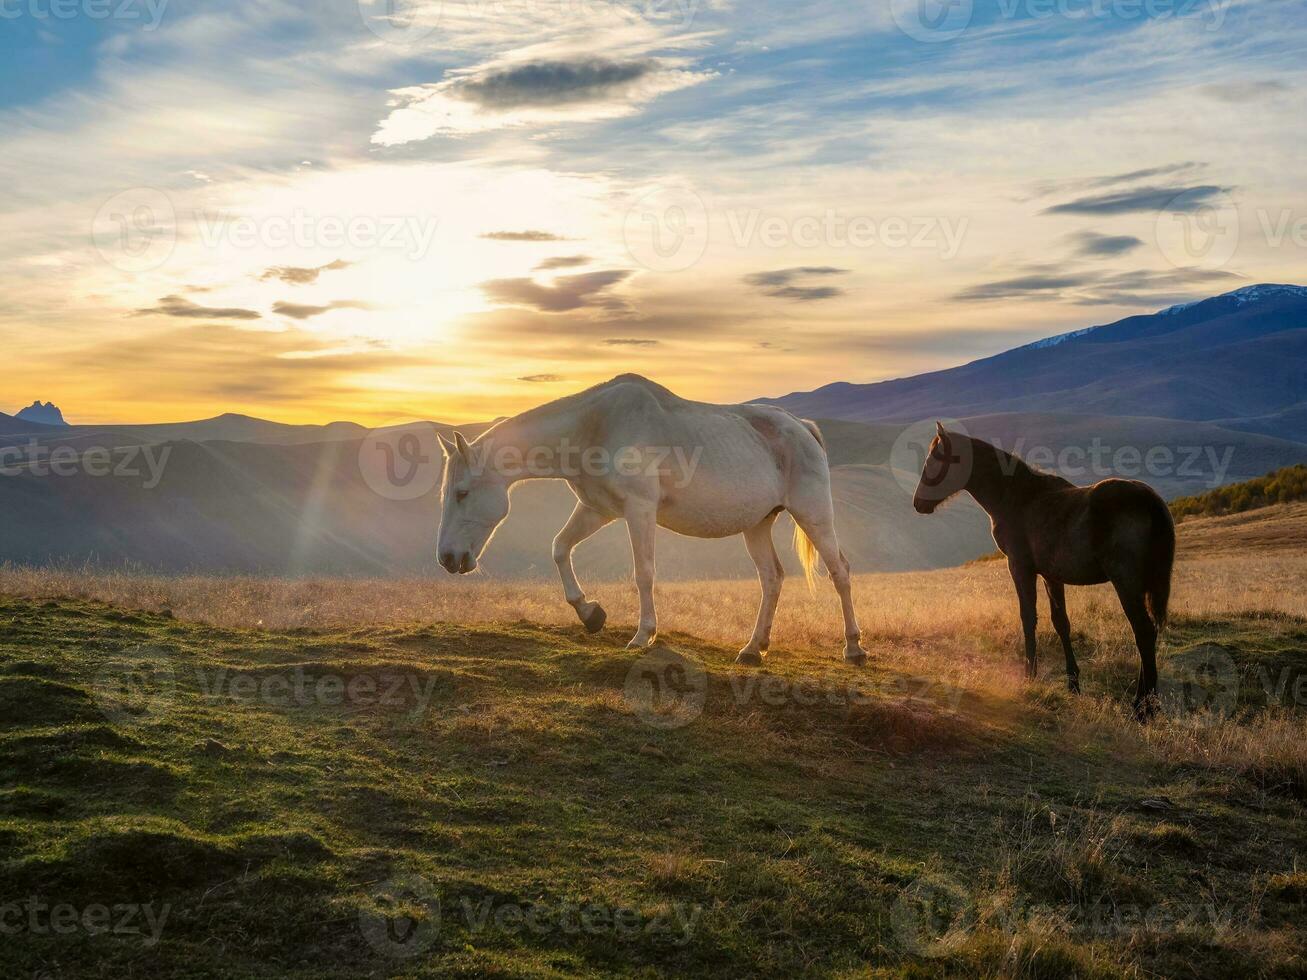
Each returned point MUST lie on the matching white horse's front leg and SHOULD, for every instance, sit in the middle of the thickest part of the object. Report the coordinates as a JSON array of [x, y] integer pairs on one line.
[[642, 522], [584, 522]]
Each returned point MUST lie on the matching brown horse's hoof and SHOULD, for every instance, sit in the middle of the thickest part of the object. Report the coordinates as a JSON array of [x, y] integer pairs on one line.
[[1073, 684], [749, 658], [595, 621], [1145, 709]]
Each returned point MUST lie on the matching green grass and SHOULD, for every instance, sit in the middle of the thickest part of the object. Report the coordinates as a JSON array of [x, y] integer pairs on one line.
[[824, 822]]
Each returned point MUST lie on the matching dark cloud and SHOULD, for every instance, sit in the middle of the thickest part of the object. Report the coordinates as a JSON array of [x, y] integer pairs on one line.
[[523, 236], [1142, 199], [540, 378], [301, 276], [1141, 287], [299, 311], [780, 283], [180, 306], [552, 83], [1047, 187], [1021, 286], [629, 342], [589, 289], [1093, 243], [1238, 92], [563, 262]]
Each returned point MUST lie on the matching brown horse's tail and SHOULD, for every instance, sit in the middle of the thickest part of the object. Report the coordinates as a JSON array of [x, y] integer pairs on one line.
[[1161, 558]]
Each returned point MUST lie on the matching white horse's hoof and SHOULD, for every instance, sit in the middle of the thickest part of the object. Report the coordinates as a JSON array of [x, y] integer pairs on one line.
[[749, 657], [640, 642], [855, 656], [594, 618]]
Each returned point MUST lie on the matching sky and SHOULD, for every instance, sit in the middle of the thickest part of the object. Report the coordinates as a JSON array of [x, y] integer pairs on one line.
[[457, 209]]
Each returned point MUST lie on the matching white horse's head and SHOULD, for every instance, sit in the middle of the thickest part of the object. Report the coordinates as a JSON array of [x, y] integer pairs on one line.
[[474, 501]]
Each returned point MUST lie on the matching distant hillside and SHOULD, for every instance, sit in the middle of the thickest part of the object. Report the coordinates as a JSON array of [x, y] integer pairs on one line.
[[1284, 486], [1240, 356]]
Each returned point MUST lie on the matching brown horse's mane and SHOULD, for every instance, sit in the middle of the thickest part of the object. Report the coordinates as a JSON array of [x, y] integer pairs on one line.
[[993, 464]]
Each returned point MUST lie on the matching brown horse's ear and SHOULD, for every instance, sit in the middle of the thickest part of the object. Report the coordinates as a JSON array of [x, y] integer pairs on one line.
[[939, 430]]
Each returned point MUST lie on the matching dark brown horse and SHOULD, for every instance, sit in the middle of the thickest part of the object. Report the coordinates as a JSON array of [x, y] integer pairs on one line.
[[1117, 531]]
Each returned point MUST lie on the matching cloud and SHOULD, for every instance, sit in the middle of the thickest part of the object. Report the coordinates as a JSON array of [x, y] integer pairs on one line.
[[563, 262], [1021, 286], [780, 283], [1093, 243], [1048, 187], [540, 378], [530, 93], [299, 275], [182, 307], [629, 342], [299, 311], [1142, 199], [589, 289], [1086, 288], [523, 236], [1244, 91]]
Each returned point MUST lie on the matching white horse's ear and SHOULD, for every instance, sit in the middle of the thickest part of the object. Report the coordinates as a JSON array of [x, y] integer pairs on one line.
[[939, 429], [446, 446], [464, 449]]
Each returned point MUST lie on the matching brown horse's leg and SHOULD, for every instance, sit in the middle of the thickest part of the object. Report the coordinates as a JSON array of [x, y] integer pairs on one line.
[[1132, 601], [1057, 604], [1024, 579]]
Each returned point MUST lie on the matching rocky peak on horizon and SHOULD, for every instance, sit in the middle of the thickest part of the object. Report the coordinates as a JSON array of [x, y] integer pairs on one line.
[[45, 413]]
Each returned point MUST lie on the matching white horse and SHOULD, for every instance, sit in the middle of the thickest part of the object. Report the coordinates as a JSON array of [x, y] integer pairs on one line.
[[630, 448]]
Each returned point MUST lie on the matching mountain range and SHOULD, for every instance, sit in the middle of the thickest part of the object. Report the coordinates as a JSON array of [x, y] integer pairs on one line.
[[1215, 391]]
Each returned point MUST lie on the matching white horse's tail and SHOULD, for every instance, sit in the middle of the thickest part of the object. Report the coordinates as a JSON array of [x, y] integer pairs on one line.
[[803, 546], [807, 552]]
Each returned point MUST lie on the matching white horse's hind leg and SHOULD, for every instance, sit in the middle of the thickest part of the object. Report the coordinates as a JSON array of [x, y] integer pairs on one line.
[[642, 522], [822, 535], [584, 522], [771, 574]]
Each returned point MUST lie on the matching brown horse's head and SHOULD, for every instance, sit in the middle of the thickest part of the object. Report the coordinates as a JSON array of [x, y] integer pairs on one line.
[[944, 473]]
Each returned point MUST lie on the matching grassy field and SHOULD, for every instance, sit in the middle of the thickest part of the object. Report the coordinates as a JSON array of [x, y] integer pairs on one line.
[[333, 779]]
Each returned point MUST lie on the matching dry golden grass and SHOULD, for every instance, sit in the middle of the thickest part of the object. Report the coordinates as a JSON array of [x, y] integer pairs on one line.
[[955, 628]]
